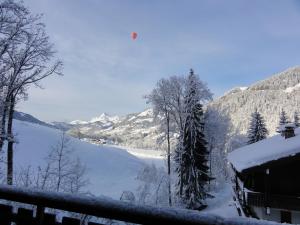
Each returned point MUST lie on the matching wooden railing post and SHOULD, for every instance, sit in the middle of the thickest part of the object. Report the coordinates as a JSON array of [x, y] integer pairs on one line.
[[40, 215], [25, 217], [49, 219]]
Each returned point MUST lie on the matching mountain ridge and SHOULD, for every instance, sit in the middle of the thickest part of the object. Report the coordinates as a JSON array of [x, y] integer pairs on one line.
[[269, 96]]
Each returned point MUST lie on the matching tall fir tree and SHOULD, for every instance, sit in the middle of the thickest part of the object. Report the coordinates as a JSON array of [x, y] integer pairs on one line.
[[283, 119], [257, 130], [192, 151], [296, 119]]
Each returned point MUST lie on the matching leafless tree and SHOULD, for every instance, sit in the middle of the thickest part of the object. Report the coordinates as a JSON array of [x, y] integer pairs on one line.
[[26, 57], [217, 129], [11, 27], [59, 159], [160, 100], [43, 176], [77, 180], [176, 89]]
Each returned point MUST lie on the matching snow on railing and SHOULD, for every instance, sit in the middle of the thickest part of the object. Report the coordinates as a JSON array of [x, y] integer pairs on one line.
[[106, 208]]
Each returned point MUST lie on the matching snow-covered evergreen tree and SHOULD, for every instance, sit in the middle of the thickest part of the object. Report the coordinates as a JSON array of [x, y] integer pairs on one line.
[[283, 119], [192, 152], [296, 119], [257, 130]]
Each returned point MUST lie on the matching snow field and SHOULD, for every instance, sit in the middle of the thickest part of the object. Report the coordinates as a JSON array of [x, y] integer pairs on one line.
[[110, 170]]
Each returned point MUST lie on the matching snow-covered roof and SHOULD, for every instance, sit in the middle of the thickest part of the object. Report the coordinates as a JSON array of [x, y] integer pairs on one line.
[[284, 126], [264, 151]]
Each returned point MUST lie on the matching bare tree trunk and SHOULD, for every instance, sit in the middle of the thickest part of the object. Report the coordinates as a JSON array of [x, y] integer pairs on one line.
[[181, 129], [10, 141], [181, 173], [179, 149], [210, 159], [59, 161], [59, 169], [169, 159], [3, 123], [180, 116], [45, 176]]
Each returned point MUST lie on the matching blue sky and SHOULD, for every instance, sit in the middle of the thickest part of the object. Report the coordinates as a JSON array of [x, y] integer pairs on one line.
[[228, 43]]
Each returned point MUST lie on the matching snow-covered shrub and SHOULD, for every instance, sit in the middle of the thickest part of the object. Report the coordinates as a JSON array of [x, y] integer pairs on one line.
[[154, 186]]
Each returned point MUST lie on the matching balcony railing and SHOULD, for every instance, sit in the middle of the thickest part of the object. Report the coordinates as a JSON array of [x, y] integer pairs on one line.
[[100, 208], [273, 201]]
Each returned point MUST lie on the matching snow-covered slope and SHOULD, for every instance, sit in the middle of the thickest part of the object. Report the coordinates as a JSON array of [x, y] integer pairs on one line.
[[78, 122], [269, 96], [110, 170], [29, 118]]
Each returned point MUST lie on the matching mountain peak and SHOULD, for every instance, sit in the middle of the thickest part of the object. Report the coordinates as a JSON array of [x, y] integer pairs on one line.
[[105, 118]]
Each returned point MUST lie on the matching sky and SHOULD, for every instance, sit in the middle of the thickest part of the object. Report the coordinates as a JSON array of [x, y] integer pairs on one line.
[[228, 43]]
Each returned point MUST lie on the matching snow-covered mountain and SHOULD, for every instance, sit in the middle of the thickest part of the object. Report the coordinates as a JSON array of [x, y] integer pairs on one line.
[[78, 122], [29, 118], [135, 130], [104, 118], [269, 96]]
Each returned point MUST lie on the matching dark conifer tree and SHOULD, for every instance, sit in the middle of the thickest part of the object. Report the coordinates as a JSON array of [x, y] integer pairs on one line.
[[283, 119], [193, 152], [296, 119], [257, 130]]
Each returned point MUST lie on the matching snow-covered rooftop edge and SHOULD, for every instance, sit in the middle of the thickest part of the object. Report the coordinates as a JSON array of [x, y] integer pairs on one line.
[[264, 151]]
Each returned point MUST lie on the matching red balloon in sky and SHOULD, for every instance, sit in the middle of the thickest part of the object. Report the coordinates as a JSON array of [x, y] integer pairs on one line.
[[133, 35]]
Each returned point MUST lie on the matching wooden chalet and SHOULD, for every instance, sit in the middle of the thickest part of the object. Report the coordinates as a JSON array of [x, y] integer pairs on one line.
[[267, 177]]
